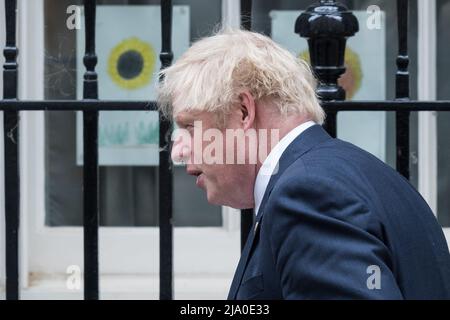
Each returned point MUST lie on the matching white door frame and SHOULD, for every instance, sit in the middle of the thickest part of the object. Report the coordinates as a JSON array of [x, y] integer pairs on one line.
[[426, 88]]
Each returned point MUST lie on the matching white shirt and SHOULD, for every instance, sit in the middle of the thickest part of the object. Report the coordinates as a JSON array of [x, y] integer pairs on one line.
[[270, 164]]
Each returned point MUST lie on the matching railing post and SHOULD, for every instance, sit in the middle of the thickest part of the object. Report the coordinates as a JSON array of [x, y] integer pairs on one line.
[[247, 215], [327, 25], [11, 141], [90, 156], [165, 175], [402, 90]]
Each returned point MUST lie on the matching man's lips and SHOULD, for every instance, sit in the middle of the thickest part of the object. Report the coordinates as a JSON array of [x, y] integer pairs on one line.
[[200, 180]]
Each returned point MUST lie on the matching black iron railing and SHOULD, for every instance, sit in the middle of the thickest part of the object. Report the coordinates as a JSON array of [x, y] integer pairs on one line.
[[11, 146], [165, 172], [90, 155], [327, 62], [246, 214]]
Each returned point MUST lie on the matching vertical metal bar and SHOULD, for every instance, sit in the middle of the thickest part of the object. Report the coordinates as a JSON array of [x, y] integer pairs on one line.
[[247, 215], [11, 140], [330, 124], [90, 156], [165, 175], [402, 89]]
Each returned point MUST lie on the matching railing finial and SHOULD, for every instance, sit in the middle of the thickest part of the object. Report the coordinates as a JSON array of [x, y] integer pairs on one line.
[[327, 26]]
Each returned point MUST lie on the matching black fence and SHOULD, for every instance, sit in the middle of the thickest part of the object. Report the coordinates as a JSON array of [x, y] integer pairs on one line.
[[326, 25]]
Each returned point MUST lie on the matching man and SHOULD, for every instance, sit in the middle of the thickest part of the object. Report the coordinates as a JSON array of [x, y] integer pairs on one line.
[[332, 221]]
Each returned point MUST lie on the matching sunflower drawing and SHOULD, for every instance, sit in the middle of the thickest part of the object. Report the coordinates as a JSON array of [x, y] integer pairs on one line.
[[131, 63]]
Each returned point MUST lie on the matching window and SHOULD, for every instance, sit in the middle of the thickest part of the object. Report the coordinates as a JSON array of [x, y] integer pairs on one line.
[[443, 118], [128, 193], [373, 131]]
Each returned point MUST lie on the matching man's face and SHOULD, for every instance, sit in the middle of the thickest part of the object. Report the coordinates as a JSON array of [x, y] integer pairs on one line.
[[212, 158]]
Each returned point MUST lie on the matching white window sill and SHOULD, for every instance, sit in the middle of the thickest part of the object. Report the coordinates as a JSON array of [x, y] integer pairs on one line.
[[125, 287]]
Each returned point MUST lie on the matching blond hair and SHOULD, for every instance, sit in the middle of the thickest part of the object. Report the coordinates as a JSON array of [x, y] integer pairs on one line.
[[213, 72]]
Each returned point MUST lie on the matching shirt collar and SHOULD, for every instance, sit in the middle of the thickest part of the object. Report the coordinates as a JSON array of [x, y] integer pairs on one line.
[[270, 164]]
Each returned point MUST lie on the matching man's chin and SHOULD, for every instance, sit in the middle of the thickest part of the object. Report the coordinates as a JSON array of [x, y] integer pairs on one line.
[[214, 200], [221, 202]]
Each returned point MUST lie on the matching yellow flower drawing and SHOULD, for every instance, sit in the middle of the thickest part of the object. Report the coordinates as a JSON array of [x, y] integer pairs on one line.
[[131, 63]]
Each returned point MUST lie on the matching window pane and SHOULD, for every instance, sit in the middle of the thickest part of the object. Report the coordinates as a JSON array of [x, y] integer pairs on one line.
[[128, 193]]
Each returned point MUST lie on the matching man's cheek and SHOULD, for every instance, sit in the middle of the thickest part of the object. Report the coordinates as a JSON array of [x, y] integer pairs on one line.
[[197, 153]]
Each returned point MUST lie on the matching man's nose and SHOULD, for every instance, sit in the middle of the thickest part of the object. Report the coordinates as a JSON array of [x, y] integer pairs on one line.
[[180, 152]]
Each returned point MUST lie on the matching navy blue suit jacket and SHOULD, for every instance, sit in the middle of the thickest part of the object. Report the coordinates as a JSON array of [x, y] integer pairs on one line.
[[337, 223]]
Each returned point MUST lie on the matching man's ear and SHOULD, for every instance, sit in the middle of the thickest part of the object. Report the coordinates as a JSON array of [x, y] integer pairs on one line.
[[247, 110]]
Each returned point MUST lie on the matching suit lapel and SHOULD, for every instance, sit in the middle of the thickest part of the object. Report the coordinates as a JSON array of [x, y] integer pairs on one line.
[[302, 144]]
